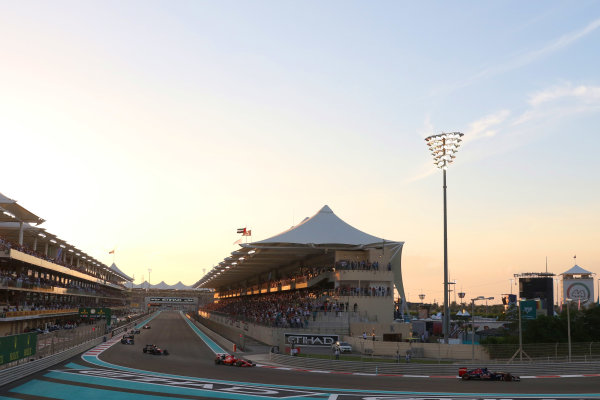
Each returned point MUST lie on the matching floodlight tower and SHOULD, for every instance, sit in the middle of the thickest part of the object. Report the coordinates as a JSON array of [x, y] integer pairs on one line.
[[443, 149]]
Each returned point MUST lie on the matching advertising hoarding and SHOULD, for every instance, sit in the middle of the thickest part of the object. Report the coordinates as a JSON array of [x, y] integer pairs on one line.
[[579, 290], [15, 347]]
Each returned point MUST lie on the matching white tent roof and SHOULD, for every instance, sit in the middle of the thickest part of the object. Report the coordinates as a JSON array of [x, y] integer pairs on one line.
[[181, 286], [577, 270], [162, 286], [322, 228], [119, 272]]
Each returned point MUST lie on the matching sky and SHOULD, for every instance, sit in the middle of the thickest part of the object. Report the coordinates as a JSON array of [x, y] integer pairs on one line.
[[157, 128]]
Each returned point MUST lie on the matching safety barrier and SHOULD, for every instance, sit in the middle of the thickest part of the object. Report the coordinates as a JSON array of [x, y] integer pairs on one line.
[[403, 368], [12, 314], [226, 344], [20, 371], [31, 367]]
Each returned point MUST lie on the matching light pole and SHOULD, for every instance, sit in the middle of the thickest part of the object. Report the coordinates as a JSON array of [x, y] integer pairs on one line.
[[568, 301], [462, 295], [473, 322], [443, 148]]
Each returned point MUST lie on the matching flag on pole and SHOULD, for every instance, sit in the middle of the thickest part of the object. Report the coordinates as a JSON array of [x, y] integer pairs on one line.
[[247, 232], [241, 230], [111, 252], [238, 241]]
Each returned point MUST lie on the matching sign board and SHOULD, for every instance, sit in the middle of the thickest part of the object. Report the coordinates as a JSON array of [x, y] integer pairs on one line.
[[528, 309], [579, 290], [171, 300], [15, 347], [94, 313], [309, 339]]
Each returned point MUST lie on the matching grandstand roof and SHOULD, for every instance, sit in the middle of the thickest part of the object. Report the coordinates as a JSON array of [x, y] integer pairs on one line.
[[162, 285], [577, 270], [10, 211], [123, 275], [322, 228], [313, 236]]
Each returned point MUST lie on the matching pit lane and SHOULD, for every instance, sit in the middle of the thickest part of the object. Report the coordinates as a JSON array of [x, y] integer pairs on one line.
[[125, 372]]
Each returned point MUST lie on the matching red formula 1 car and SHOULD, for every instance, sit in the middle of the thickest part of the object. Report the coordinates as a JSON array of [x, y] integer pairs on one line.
[[154, 349], [483, 374], [228, 359]]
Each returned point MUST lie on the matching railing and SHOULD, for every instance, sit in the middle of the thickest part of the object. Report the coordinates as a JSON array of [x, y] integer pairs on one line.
[[12, 314], [586, 351], [403, 368], [59, 346], [7, 283]]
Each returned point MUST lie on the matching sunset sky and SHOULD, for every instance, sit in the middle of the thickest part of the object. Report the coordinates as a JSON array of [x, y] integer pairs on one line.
[[157, 128]]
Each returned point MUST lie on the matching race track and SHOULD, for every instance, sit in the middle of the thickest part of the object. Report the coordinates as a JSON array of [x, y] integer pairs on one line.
[[191, 357]]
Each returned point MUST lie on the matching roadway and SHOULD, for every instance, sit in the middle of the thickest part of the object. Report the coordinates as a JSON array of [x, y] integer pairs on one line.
[[191, 357]]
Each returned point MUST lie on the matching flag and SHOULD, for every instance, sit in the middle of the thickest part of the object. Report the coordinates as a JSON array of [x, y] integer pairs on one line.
[[241, 230], [238, 241], [247, 232], [111, 252]]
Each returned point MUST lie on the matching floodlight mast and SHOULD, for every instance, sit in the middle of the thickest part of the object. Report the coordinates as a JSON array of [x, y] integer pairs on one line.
[[443, 148]]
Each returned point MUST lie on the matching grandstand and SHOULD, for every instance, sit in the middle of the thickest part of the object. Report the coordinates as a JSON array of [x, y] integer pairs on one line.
[[44, 280], [322, 275]]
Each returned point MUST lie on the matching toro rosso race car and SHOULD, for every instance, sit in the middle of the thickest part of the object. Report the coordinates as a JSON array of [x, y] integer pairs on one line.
[[228, 359], [154, 349], [483, 374]]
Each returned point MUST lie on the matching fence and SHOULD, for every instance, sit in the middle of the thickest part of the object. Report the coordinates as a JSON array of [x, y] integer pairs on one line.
[[402, 368], [588, 351]]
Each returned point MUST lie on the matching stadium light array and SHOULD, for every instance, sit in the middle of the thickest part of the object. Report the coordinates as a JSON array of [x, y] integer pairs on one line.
[[444, 147]]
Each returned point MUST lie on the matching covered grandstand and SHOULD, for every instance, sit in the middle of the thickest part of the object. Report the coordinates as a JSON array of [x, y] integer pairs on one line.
[[322, 264], [43, 278]]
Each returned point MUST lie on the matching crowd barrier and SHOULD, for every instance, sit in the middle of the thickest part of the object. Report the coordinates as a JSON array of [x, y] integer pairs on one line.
[[12, 314]]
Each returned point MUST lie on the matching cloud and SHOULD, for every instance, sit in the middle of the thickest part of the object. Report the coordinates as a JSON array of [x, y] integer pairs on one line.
[[483, 126], [549, 104], [584, 93], [524, 59], [532, 56], [428, 128], [560, 101]]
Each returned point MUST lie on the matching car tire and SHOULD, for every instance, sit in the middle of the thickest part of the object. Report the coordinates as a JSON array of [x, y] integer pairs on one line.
[[508, 377], [144, 350], [165, 352], [465, 377]]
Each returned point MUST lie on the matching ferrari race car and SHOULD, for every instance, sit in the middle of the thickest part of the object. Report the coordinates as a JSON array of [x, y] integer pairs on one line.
[[127, 339], [228, 359], [483, 374], [154, 349]]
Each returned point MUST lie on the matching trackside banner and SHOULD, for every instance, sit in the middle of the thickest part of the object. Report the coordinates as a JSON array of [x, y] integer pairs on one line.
[[15, 347], [309, 339], [171, 300]]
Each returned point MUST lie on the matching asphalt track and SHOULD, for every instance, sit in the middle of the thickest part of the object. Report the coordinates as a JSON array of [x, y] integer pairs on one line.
[[189, 372]]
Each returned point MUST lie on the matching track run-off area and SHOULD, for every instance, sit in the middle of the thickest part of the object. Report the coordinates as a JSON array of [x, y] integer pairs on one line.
[[115, 371]]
